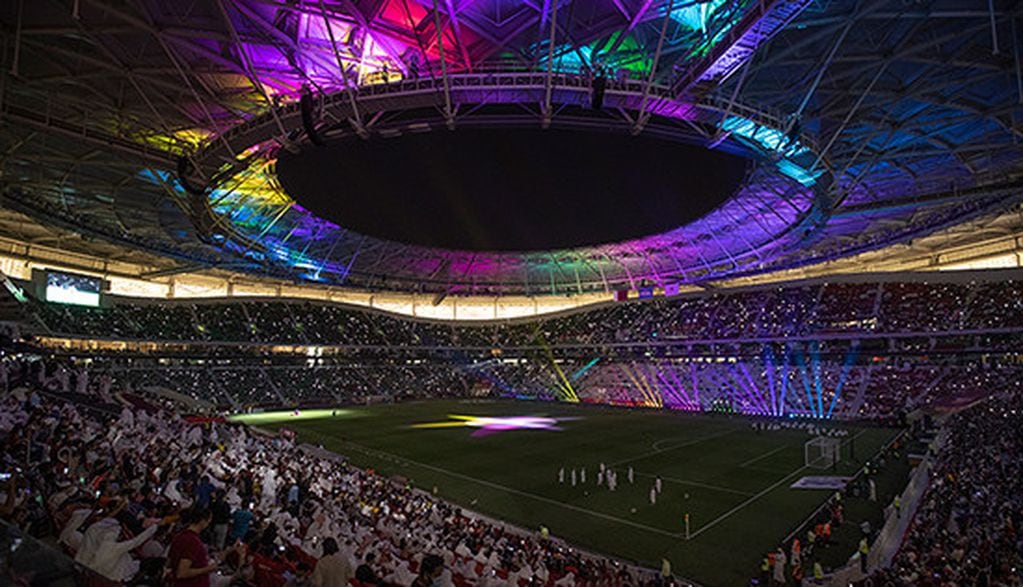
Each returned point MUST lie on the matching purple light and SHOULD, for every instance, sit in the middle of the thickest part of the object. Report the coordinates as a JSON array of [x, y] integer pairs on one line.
[[487, 425]]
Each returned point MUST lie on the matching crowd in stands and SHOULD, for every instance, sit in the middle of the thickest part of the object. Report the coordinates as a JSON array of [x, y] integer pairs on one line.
[[967, 530], [865, 390], [116, 489], [143, 493], [255, 383], [780, 311]]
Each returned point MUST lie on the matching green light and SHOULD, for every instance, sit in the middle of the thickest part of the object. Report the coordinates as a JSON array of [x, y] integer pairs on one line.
[[292, 416]]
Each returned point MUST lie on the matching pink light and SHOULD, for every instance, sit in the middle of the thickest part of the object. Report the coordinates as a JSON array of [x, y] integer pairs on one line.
[[487, 425]]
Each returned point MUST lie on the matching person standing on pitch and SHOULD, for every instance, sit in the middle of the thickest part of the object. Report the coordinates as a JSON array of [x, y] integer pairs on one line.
[[573, 477], [582, 475], [561, 475], [657, 484], [653, 496], [631, 478]]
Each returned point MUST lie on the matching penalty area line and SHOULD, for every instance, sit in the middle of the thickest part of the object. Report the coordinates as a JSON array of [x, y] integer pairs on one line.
[[763, 456], [658, 451], [697, 484], [756, 497], [520, 493]]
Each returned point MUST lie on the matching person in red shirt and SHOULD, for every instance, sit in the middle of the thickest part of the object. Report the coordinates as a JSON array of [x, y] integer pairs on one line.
[[187, 558]]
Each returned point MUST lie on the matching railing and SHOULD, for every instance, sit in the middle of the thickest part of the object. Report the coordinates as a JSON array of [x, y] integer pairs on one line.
[[25, 560], [889, 538]]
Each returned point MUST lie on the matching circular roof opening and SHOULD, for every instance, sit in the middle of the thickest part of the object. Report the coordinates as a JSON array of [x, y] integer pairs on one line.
[[511, 189]]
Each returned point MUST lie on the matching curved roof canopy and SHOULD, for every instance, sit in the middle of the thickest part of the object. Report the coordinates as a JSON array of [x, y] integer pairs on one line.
[[159, 124]]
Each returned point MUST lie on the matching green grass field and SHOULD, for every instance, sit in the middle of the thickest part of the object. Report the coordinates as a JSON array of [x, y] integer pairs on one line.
[[733, 481]]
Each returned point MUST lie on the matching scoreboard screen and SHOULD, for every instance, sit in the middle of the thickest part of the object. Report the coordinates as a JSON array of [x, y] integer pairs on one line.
[[66, 288]]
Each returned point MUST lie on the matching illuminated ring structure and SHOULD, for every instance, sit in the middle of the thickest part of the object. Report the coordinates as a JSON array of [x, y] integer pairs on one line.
[[781, 204]]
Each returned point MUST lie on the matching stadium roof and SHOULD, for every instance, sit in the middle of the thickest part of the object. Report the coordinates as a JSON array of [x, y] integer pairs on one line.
[[157, 125]]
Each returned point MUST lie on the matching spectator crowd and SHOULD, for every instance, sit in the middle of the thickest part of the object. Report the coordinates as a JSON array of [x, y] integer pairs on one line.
[[148, 497], [967, 530], [792, 310]]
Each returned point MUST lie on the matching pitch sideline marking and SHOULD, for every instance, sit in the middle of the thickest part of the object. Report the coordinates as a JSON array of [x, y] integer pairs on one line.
[[774, 486], [522, 493]]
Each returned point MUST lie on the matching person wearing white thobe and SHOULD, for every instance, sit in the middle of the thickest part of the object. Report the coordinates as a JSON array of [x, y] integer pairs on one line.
[[779, 567], [101, 552]]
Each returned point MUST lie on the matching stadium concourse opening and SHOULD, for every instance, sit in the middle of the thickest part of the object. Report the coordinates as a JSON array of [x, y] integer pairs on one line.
[[511, 189]]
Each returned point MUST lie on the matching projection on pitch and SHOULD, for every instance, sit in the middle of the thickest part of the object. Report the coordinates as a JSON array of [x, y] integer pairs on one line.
[[487, 425]]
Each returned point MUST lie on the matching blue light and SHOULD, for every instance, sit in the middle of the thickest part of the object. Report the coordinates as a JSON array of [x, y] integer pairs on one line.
[[569, 58], [798, 173], [158, 177], [771, 139], [696, 14]]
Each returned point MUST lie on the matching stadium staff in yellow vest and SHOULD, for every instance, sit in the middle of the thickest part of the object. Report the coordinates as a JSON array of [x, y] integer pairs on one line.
[[864, 551]]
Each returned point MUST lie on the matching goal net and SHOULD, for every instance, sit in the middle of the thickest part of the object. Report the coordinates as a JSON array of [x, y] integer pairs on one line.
[[822, 452]]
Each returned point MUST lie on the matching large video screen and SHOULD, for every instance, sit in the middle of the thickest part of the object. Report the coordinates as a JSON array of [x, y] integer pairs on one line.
[[65, 288]]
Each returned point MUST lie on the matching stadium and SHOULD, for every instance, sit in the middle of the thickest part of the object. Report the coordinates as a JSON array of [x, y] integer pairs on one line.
[[511, 292]]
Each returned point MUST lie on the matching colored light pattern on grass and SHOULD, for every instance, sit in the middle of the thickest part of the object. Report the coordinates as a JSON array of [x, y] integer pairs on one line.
[[292, 416], [487, 425]]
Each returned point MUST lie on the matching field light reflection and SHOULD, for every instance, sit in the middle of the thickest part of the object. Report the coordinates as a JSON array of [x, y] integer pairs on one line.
[[291, 416], [488, 425]]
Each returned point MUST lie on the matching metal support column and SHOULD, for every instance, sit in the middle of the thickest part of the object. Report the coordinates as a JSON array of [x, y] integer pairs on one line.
[[356, 122], [546, 109], [643, 116], [449, 114]]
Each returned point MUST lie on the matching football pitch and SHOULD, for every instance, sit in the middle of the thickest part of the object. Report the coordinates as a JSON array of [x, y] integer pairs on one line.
[[502, 459]]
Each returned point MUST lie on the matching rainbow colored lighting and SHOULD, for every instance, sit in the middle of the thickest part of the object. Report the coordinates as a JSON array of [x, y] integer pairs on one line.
[[487, 425], [334, 51]]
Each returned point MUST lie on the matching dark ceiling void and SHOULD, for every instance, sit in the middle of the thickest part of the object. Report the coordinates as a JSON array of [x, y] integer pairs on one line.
[[510, 189]]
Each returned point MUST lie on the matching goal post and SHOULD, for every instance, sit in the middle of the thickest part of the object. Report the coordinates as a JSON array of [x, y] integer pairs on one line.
[[822, 452]]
